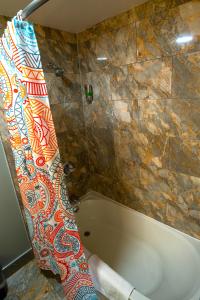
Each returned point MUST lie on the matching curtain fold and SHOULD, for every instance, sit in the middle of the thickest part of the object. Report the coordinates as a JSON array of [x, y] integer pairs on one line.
[[52, 227]]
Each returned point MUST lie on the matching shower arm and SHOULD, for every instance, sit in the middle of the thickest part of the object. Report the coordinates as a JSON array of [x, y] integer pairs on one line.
[[30, 8]]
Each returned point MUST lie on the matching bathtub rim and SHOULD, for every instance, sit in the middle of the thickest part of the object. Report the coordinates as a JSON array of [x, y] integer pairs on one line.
[[192, 242], [99, 196]]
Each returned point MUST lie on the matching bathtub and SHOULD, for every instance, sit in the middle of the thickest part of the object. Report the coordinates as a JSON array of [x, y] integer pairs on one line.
[[159, 261]]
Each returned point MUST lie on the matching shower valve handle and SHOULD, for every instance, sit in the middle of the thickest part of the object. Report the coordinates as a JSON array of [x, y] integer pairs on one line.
[[68, 168]]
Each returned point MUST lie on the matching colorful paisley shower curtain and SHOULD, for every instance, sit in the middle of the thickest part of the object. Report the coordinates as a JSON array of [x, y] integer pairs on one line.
[[49, 216]]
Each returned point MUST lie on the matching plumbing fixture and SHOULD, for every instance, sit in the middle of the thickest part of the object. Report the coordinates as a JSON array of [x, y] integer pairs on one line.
[[89, 93], [74, 201], [59, 72], [68, 168]]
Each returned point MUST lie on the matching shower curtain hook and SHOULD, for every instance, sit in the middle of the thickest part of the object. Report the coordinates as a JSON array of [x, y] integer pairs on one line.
[[19, 15]]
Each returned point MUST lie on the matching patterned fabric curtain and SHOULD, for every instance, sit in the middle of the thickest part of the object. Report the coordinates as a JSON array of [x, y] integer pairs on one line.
[[50, 218]]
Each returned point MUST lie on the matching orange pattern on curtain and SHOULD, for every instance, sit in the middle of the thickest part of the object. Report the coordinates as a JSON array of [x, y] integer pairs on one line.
[[49, 215]]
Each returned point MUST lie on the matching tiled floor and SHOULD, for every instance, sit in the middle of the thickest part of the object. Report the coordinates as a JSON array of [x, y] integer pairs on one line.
[[29, 283]]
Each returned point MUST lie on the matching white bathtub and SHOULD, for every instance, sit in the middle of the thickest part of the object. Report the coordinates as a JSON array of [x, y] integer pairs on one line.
[[159, 261]]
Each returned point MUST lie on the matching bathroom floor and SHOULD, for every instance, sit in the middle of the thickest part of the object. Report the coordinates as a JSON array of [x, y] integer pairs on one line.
[[29, 283]]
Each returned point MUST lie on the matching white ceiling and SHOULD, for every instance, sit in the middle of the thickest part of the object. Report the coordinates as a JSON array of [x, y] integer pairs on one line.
[[70, 15]]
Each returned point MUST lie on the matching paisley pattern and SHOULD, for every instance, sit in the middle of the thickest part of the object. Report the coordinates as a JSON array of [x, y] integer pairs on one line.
[[50, 218]]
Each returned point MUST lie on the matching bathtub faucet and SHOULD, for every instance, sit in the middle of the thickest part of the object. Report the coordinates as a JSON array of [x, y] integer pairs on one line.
[[74, 201], [68, 168]]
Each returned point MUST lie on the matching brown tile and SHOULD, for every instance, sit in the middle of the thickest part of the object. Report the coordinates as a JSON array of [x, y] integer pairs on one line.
[[70, 131], [66, 89], [151, 9], [149, 41], [99, 134], [138, 141], [101, 151], [145, 80], [184, 156], [156, 38], [140, 154], [116, 47], [172, 117], [102, 184], [151, 195], [183, 206], [169, 197], [126, 150], [146, 193], [68, 117], [73, 149], [59, 118], [184, 223], [153, 116], [145, 148], [182, 118], [59, 54], [126, 130], [98, 115], [100, 82], [156, 9], [70, 149], [186, 80], [125, 113], [43, 32], [114, 23]]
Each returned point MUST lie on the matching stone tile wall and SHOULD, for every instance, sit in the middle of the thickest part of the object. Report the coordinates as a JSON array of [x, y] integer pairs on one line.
[[143, 127], [139, 141]]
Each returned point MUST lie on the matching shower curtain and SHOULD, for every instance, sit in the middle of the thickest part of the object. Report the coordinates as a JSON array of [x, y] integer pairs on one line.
[[52, 228]]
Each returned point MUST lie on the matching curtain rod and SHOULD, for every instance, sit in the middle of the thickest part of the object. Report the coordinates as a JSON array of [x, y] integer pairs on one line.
[[30, 8]]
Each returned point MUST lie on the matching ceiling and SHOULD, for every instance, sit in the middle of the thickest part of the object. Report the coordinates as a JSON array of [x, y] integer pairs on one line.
[[70, 15]]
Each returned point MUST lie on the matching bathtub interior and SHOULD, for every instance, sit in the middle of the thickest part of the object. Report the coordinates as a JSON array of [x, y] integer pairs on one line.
[[157, 260]]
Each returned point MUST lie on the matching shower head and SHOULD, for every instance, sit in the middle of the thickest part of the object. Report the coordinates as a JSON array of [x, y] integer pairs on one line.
[[59, 72]]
